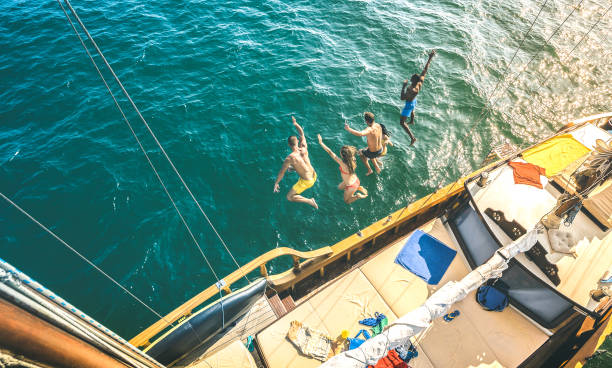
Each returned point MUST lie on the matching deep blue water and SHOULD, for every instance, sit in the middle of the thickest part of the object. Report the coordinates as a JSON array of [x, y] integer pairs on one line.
[[218, 81]]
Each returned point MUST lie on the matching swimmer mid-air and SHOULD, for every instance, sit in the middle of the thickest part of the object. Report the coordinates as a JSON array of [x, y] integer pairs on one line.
[[300, 162], [347, 164], [374, 136], [410, 96]]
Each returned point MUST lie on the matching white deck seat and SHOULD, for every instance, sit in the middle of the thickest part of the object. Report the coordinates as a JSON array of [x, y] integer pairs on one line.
[[348, 300], [580, 276], [402, 290], [336, 307], [476, 338], [234, 355], [509, 336], [277, 350]]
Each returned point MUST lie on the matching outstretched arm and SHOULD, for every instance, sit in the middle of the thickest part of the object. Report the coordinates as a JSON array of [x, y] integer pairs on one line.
[[330, 152], [356, 132], [300, 132], [431, 55], [281, 173]]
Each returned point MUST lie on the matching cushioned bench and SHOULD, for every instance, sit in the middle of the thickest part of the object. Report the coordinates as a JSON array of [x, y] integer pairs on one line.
[[402, 290], [338, 306], [476, 338], [234, 355]]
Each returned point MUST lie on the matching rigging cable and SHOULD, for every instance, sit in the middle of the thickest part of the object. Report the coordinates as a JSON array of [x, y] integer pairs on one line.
[[485, 109], [492, 104], [524, 67], [154, 170], [79, 254], [139, 142], [541, 84], [127, 95], [574, 48]]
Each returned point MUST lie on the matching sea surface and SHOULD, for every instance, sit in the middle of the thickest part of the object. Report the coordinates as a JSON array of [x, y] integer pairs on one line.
[[218, 82]]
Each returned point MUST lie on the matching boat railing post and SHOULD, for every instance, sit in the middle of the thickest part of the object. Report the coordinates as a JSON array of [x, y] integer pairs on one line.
[[296, 264], [263, 270]]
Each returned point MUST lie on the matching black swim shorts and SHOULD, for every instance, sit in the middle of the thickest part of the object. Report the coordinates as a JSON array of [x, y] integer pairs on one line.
[[369, 154]]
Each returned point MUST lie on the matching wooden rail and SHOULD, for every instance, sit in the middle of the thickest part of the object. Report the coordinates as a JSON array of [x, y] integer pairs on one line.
[[142, 339], [346, 246]]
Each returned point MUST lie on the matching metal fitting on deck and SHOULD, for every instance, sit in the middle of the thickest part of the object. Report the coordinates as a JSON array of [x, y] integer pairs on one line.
[[483, 179]]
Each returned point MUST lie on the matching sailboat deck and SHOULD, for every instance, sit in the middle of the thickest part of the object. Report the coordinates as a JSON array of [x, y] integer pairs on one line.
[[380, 285], [578, 274], [538, 310]]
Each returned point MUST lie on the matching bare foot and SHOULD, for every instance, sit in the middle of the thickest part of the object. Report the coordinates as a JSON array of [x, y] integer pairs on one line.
[[363, 190], [314, 203], [380, 163], [413, 140], [377, 170], [361, 196], [369, 172]]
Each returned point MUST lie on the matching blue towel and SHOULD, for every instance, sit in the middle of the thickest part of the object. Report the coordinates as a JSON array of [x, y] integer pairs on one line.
[[426, 257]]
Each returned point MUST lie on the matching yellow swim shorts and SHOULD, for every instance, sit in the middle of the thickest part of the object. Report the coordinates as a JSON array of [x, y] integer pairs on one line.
[[302, 184]]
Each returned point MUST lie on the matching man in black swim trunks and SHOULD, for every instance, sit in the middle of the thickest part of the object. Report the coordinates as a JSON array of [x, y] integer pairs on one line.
[[374, 135]]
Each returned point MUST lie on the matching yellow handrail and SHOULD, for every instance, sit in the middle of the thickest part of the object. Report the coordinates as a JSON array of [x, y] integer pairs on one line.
[[142, 339]]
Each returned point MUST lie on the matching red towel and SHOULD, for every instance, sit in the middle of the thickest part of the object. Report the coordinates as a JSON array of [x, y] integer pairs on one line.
[[392, 360], [526, 173]]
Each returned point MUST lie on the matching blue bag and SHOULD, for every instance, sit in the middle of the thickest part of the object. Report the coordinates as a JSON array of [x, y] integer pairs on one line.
[[355, 342], [493, 296]]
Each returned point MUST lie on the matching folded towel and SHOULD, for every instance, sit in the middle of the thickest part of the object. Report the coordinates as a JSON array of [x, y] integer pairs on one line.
[[426, 257]]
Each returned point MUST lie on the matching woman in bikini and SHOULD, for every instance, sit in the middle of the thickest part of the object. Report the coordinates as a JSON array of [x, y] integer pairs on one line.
[[350, 182]]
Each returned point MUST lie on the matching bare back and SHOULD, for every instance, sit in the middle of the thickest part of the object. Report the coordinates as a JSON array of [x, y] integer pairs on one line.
[[374, 137], [412, 92], [301, 163]]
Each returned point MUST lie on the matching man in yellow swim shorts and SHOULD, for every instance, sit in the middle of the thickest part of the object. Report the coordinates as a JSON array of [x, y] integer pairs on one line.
[[298, 159]]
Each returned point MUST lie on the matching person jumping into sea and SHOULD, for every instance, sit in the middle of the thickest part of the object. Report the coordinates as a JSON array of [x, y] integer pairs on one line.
[[298, 160], [374, 135], [350, 182], [410, 96]]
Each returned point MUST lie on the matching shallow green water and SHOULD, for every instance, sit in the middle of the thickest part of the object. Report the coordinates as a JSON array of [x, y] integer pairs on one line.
[[218, 81]]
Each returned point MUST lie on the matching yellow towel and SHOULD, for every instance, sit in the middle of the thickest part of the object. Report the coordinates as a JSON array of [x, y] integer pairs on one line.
[[556, 153]]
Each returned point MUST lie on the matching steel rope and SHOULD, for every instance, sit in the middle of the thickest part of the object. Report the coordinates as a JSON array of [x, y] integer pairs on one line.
[[127, 95], [79, 254], [139, 142]]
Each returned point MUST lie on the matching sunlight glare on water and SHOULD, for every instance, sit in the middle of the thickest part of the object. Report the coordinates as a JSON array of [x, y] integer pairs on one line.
[[218, 81]]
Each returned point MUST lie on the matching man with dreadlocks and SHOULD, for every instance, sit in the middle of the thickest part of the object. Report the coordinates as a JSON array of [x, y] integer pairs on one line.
[[410, 96]]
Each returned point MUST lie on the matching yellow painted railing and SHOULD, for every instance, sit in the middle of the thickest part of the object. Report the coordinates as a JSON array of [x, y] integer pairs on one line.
[[142, 339]]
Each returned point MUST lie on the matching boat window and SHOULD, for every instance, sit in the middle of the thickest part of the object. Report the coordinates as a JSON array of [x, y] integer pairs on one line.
[[527, 292]]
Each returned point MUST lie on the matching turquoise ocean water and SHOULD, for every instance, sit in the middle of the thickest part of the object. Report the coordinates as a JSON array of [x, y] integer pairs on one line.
[[218, 81]]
